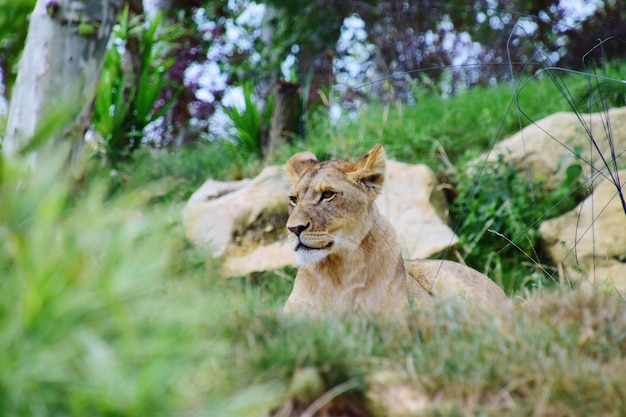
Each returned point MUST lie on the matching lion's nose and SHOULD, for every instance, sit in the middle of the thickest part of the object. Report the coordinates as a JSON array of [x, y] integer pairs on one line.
[[296, 230]]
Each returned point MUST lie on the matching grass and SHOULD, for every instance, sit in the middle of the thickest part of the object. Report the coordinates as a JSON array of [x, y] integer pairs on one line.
[[437, 129], [437, 132], [105, 310]]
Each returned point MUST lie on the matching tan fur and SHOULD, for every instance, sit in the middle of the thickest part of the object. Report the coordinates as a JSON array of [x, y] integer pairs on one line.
[[349, 257]]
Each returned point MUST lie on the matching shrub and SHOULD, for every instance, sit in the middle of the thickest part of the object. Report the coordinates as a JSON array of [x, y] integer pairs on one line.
[[498, 214], [249, 121], [129, 93]]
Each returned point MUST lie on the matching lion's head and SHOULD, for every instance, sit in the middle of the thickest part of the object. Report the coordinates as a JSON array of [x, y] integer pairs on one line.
[[331, 203]]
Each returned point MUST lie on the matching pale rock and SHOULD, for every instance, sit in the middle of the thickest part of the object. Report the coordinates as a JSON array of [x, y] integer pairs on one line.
[[216, 208], [548, 146], [588, 243], [244, 221], [390, 395], [592, 255], [416, 206], [261, 258]]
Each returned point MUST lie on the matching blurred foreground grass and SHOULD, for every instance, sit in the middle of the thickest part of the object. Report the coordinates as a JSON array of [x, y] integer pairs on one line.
[[106, 311]]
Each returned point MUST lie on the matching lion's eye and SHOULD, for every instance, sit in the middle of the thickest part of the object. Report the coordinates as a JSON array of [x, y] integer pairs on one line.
[[327, 195], [293, 200]]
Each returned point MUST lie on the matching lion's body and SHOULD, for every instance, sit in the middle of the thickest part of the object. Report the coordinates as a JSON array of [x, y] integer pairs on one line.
[[349, 257]]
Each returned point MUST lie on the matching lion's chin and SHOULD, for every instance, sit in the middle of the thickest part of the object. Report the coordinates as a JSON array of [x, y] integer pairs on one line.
[[307, 255]]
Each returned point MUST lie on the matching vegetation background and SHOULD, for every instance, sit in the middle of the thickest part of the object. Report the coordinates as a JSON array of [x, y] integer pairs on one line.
[[105, 309]]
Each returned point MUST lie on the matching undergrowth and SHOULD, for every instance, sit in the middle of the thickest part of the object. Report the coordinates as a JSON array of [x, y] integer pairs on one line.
[[497, 223]]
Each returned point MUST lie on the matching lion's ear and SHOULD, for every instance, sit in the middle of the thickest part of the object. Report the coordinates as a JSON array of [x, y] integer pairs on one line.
[[370, 169], [298, 164]]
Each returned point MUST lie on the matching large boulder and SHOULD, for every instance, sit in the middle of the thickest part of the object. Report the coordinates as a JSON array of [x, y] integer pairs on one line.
[[549, 146], [244, 221], [589, 242]]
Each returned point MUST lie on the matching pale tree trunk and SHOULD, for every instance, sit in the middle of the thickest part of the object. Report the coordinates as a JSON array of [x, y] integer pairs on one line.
[[59, 70]]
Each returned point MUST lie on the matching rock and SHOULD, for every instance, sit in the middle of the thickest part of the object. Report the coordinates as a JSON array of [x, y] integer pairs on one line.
[[549, 145], [389, 395], [213, 213], [244, 221], [417, 208], [261, 258], [589, 242]]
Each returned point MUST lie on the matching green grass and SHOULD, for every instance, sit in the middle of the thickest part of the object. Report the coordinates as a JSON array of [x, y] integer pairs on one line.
[[458, 128], [178, 173], [106, 310], [435, 129]]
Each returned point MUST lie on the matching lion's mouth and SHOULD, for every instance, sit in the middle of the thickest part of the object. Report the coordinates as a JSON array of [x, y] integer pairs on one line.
[[310, 248]]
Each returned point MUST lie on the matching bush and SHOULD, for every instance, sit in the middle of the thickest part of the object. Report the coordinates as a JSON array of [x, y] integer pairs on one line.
[[498, 212], [249, 122], [130, 88]]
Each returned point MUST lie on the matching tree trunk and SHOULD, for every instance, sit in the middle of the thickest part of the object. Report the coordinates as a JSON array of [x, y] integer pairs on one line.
[[59, 69], [286, 115]]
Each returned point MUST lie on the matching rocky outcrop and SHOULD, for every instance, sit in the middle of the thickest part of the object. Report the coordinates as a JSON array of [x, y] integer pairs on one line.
[[588, 243], [244, 221], [549, 146]]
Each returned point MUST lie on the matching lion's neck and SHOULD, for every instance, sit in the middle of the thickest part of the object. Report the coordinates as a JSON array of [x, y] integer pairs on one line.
[[365, 263], [376, 265]]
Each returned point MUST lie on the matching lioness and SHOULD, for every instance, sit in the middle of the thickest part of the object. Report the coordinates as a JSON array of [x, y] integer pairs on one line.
[[347, 251]]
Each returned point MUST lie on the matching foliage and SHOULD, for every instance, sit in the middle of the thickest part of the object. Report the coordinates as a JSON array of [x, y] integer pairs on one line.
[[497, 212], [249, 121], [216, 51], [599, 38], [426, 39], [458, 44], [82, 281], [128, 98], [475, 43]]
